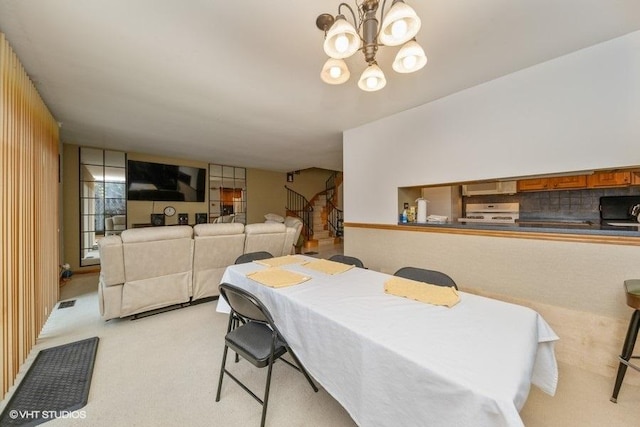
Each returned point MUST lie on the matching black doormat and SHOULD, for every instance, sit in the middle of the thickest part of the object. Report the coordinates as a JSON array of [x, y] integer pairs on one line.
[[56, 385]]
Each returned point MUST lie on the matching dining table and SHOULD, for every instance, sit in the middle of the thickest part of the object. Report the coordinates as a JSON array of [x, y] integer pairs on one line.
[[394, 361]]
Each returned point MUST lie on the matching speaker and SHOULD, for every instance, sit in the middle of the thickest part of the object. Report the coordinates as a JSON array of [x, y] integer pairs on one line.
[[183, 218], [157, 219], [201, 218]]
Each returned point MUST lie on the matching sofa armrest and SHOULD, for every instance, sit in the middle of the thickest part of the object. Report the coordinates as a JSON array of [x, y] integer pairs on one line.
[[111, 260]]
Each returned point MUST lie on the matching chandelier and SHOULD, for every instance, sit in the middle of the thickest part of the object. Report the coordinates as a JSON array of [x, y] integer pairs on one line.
[[342, 39]]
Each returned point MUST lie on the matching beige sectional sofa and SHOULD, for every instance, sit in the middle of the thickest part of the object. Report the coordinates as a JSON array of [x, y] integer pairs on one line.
[[143, 269], [216, 247]]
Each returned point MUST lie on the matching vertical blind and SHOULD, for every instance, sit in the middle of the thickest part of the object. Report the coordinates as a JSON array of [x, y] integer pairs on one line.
[[28, 214]]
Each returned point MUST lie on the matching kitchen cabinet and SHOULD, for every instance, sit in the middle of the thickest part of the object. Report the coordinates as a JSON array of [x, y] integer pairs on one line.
[[609, 179], [568, 182], [554, 183], [635, 178], [534, 184]]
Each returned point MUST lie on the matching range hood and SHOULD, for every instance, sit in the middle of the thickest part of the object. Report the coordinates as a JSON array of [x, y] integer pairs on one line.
[[492, 187]]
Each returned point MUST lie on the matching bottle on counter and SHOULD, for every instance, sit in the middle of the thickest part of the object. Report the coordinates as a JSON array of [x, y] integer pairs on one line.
[[404, 218], [412, 214]]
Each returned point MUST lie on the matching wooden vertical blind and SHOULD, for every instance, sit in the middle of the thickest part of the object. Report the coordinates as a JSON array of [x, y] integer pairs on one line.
[[28, 214]]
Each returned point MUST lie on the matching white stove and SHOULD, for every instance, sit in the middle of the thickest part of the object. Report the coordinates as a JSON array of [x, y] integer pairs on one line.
[[492, 213]]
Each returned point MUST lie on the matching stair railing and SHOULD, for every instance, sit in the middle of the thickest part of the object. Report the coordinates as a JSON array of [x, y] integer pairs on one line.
[[335, 220], [299, 206]]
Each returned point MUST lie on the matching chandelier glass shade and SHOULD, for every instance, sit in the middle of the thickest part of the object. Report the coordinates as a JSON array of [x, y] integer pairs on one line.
[[343, 39], [335, 72], [410, 58], [400, 25], [372, 79]]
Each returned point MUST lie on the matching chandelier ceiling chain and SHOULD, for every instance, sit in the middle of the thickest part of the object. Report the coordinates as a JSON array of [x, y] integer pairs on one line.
[[399, 26]]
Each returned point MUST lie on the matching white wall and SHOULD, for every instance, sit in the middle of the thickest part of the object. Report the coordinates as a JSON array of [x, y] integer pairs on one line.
[[577, 112]]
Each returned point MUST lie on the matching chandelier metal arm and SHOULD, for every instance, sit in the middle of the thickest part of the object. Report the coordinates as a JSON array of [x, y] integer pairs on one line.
[[356, 23]]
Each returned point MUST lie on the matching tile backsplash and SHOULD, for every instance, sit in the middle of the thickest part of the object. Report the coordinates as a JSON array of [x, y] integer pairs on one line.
[[560, 204]]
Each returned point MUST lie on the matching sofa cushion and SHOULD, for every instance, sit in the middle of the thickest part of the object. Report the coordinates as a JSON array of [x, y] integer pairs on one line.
[[149, 259], [268, 237], [273, 217], [264, 228], [151, 234], [202, 230], [216, 246]]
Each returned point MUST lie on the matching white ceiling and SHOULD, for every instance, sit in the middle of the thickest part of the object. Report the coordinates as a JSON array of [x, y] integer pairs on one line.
[[237, 82]]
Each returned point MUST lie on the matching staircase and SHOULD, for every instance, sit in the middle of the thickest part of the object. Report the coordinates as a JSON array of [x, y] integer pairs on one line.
[[321, 218], [321, 235]]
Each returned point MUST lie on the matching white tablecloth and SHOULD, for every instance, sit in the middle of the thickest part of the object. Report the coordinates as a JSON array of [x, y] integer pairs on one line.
[[391, 361]]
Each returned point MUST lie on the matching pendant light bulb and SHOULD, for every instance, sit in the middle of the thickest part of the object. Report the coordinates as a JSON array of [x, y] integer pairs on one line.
[[399, 29], [410, 58], [342, 39], [372, 79], [400, 24], [335, 72], [342, 43]]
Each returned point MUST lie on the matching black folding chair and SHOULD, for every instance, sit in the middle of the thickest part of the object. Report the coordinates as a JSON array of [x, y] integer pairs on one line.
[[253, 256], [428, 276], [349, 260], [258, 340]]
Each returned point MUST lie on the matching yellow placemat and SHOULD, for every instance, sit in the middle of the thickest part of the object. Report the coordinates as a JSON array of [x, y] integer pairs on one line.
[[423, 292], [328, 267], [281, 260], [277, 278]]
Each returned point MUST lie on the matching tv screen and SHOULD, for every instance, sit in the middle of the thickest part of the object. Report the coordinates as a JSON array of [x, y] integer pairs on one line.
[[161, 182]]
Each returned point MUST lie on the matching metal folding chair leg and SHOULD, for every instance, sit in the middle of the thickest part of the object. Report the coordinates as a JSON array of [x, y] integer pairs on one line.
[[222, 368], [300, 368]]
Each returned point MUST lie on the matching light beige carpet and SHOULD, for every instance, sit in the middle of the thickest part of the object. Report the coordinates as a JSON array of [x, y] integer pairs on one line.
[[163, 371]]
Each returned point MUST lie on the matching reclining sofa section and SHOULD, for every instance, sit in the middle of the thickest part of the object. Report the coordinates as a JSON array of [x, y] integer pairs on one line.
[[145, 269]]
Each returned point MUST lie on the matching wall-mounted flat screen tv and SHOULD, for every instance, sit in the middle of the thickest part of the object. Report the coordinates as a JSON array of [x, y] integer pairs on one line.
[[161, 182]]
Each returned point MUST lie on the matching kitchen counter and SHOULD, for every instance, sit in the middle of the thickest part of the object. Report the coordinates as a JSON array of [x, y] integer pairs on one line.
[[542, 226]]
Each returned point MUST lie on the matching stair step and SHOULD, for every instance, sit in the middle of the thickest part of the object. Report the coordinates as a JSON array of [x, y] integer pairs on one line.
[[326, 241]]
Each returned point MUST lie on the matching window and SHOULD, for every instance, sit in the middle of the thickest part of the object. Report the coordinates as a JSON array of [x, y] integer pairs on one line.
[[103, 199]]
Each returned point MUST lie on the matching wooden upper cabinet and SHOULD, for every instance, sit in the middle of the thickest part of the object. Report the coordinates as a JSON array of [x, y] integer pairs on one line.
[[568, 182], [534, 184], [555, 183], [619, 178], [609, 179]]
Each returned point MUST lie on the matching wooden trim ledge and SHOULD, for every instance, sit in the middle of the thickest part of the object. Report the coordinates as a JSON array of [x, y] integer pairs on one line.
[[559, 237]]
